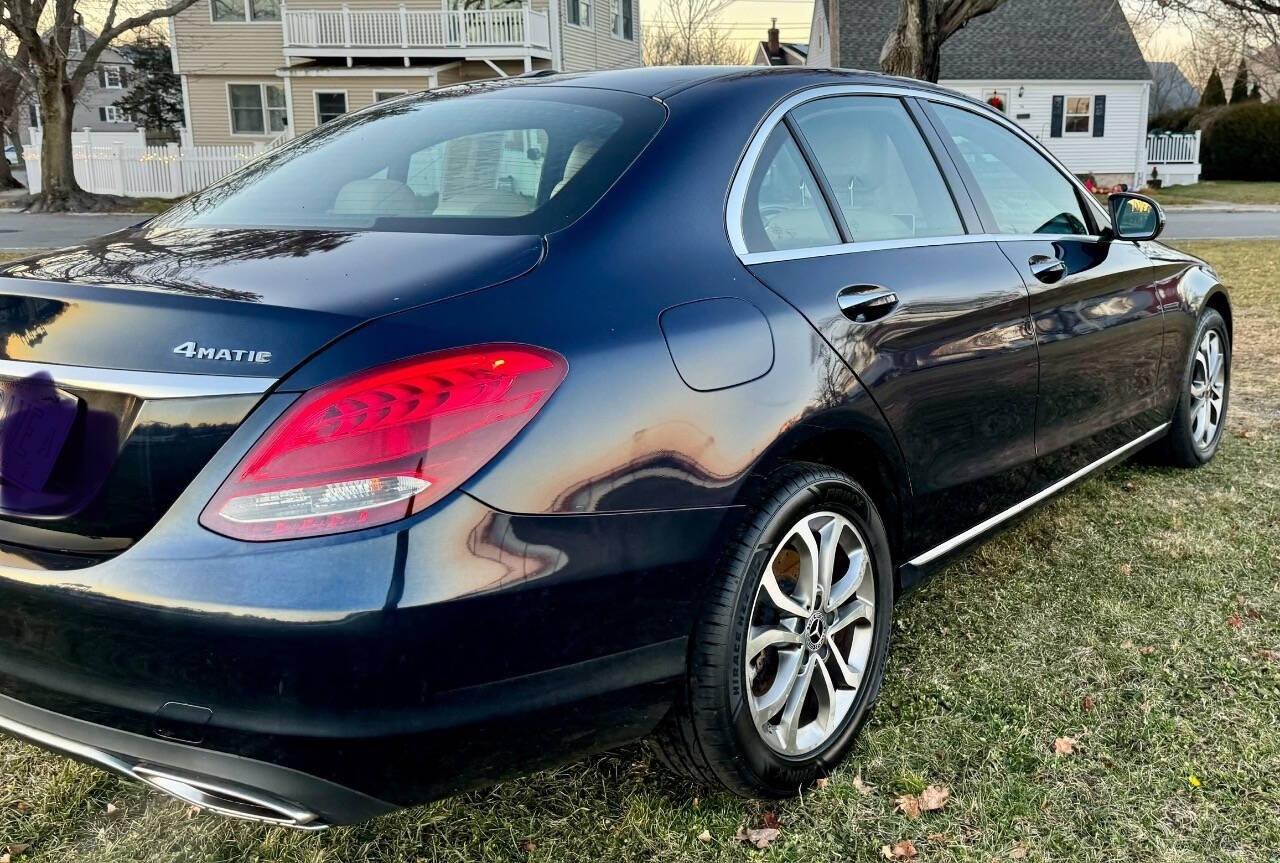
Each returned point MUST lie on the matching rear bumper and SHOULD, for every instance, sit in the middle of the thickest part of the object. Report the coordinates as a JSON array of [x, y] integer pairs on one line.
[[368, 674]]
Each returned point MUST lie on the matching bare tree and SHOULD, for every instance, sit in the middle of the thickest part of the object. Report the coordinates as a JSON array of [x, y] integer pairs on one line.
[[914, 47], [13, 88], [1222, 32], [45, 33], [686, 33]]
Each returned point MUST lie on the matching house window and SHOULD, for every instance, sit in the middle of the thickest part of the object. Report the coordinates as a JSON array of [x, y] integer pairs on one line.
[[112, 114], [620, 14], [112, 78], [257, 109], [1079, 111], [384, 95], [580, 12], [330, 105], [246, 10], [34, 110]]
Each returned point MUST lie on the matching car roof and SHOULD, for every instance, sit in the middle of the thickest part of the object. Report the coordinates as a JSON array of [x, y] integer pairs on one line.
[[661, 81]]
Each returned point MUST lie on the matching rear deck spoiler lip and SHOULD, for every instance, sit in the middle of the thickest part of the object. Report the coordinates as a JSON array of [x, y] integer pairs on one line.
[[144, 385]]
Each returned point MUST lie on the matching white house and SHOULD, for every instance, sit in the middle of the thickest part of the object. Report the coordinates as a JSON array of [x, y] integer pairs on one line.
[[1068, 71]]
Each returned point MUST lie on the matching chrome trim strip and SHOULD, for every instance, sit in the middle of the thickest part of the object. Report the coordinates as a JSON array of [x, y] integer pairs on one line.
[[145, 385], [751, 258], [979, 529], [188, 789], [738, 188]]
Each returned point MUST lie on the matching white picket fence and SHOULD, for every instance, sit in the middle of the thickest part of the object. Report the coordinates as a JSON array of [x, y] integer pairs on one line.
[[118, 163]]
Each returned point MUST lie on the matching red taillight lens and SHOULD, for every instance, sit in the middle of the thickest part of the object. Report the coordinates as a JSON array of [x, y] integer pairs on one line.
[[383, 444]]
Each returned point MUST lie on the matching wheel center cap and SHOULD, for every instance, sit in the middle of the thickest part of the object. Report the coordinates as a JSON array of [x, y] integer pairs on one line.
[[815, 631]]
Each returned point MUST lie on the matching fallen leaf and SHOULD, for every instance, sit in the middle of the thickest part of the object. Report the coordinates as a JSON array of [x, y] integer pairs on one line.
[[22, 806], [1235, 621], [1018, 853], [771, 819], [1145, 707], [862, 787], [113, 810], [1239, 600], [1265, 653], [821, 783], [16, 848], [904, 850], [1146, 651], [1064, 746], [1126, 569], [1130, 486], [528, 845], [760, 838], [1194, 780], [1253, 613], [1127, 644], [5, 858], [938, 837], [192, 812], [934, 798], [695, 803], [908, 805], [704, 836], [1087, 704]]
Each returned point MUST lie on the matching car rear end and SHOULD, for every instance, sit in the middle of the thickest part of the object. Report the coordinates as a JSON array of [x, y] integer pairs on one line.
[[235, 562]]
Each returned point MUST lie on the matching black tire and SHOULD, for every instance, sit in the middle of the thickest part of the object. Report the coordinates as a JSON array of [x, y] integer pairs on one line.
[[709, 736], [1180, 447]]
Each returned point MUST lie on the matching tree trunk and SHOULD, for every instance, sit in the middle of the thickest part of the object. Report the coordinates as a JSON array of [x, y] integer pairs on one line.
[[914, 46], [59, 191]]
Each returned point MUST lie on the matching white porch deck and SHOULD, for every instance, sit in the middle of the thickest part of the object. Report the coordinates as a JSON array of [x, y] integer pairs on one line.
[[1175, 158], [400, 31]]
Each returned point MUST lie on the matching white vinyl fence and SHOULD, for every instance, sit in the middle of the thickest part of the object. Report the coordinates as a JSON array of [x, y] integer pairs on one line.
[[121, 163]]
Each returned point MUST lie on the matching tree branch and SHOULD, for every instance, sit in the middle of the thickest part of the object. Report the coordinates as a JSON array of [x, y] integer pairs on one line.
[[111, 31]]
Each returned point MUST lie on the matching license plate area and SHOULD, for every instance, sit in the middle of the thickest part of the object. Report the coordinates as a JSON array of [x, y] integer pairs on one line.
[[35, 419]]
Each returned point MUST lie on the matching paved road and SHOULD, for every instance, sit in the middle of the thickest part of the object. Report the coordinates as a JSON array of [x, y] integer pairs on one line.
[[29, 231], [1195, 224], [20, 231]]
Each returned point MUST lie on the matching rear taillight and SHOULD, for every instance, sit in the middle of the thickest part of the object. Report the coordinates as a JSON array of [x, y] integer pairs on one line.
[[383, 444]]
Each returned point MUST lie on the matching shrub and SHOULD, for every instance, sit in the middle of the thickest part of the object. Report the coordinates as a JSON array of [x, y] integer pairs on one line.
[[1175, 120], [1240, 142]]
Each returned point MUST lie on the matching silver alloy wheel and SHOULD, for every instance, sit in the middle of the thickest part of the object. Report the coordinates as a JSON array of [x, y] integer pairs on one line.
[[810, 634], [1208, 389]]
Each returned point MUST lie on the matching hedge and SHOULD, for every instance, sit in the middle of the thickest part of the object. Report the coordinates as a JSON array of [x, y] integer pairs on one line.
[[1237, 142]]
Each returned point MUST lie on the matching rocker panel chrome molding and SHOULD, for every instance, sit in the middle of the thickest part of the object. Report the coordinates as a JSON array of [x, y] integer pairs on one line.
[[981, 528]]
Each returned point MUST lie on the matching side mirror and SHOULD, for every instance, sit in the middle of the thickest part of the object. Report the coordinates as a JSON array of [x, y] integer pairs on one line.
[[1135, 217]]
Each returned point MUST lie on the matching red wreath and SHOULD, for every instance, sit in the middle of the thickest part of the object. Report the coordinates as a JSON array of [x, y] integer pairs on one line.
[[997, 103]]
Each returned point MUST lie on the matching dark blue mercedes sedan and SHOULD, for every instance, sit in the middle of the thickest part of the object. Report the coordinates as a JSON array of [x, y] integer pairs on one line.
[[496, 425]]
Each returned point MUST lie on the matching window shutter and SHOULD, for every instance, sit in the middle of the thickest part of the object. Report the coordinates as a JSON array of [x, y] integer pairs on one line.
[[626, 20], [102, 77], [102, 114], [1099, 115], [1055, 121], [124, 76], [35, 116]]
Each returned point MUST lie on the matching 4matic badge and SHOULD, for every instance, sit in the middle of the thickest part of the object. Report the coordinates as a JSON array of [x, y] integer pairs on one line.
[[193, 351]]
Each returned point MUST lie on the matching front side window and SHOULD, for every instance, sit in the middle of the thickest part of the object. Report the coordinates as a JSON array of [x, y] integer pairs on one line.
[[512, 161], [1078, 113], [257, 109], [111, 78], [880, 171], [330, 106], [579, 12], [620, 15], [246, 10], [784, 208], [1025, 193], [112, 114]]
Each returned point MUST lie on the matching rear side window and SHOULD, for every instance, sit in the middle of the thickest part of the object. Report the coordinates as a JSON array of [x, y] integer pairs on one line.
[[878, 167], [1025, 193], [514, 161], [784, 207]]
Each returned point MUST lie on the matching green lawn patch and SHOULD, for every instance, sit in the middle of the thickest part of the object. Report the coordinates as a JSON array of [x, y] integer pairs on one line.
[[1221, 191], [1138, 615]]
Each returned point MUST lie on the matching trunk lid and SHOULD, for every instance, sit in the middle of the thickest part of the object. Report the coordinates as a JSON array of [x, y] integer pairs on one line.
[[127, 362]]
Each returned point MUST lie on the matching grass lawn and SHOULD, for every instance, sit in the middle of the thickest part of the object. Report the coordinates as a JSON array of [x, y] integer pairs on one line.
[[1221, 191], [1138, 615]]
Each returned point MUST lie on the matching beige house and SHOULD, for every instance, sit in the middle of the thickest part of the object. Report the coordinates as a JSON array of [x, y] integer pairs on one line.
[[256, 70]]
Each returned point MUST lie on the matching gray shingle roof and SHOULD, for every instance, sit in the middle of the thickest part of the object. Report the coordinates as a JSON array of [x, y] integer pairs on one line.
[[1071, 39]]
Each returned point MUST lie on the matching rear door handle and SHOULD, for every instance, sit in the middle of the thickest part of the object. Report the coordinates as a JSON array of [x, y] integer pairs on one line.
[[863, 303], [1046, 268]]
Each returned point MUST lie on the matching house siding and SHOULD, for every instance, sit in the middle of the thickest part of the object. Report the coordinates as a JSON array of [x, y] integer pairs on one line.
[[596, 47], [210, 112], [819, 37], [1118, 153], [240, 48]]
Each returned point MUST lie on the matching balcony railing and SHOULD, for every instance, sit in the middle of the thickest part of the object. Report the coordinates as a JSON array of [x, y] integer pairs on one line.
[[409, 29]]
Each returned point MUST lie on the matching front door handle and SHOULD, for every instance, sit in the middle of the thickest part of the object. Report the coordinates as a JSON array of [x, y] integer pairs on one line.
[[863, 303], [1047, 269]]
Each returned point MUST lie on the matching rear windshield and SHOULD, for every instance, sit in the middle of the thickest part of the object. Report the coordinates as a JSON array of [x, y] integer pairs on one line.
[[520, 160]]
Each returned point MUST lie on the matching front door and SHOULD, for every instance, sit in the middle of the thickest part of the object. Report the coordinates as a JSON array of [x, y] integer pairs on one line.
[[848, 216], [1094, 301]]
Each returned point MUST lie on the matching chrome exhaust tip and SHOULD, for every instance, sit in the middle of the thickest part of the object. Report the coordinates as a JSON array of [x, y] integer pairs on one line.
[[230, 801]]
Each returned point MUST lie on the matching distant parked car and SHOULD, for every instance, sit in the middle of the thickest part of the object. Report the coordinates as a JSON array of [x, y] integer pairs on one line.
[[489, 427]]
